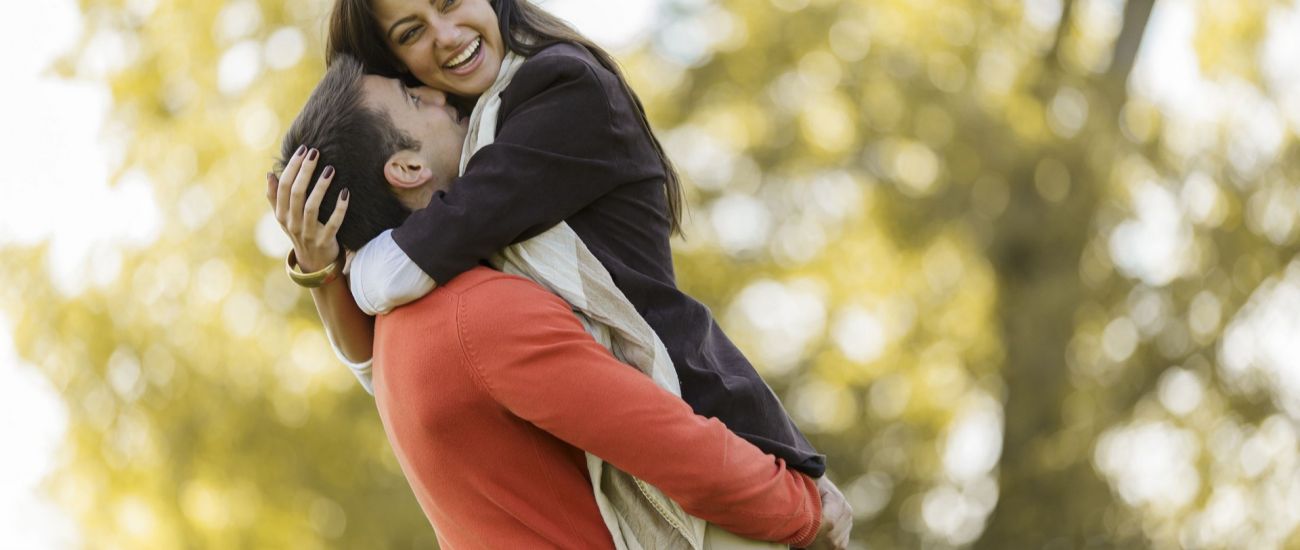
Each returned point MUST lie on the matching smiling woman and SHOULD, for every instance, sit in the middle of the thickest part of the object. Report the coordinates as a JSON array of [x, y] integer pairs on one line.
[[571, 149], [573, 146], [451, 45]]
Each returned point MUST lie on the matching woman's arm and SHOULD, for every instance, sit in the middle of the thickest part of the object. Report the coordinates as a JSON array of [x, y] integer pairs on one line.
[[532, 355], [561, 146], [351, 331]]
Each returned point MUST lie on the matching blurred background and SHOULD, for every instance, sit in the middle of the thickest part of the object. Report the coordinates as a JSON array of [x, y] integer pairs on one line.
[[1026, 271]]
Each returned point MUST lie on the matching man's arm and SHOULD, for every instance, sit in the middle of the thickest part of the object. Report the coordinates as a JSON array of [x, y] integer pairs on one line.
[[532, 355]]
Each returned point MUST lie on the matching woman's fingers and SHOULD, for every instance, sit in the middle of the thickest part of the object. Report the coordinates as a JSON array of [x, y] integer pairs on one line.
[[271, 184], [311, 209], [284, 181], [336, 217], [298, 193]]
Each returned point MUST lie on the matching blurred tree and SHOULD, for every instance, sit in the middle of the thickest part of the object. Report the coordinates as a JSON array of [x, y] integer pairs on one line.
[[1010, 126], [1020, 295], [206, 409]]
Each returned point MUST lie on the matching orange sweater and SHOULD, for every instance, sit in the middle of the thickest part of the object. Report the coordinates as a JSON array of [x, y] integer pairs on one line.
[[490, 390]]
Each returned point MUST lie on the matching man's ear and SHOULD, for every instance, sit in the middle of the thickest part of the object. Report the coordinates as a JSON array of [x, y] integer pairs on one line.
[[406, 170]]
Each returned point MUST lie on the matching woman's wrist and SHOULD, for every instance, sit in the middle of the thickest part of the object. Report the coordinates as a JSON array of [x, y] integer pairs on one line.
[[310, 278], [316, 261], [308, 264]]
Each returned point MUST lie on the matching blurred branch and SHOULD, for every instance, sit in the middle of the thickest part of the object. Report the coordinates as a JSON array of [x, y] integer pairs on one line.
[[1137, 13], [1053, 59]]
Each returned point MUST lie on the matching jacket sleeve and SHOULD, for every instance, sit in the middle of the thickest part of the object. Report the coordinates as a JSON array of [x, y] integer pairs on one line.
[[531, 354], [558, 150]]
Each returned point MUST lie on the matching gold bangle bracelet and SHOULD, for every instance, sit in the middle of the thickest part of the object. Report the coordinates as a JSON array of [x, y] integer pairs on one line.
[[315, 279]]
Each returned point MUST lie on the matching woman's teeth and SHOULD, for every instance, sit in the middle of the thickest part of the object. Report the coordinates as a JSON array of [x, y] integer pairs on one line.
[[465, 55]]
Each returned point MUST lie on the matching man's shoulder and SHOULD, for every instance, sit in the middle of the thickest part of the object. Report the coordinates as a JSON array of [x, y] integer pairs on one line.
[[488, 295], [481, 294], [445, 295], [478, 276], [482, 285]]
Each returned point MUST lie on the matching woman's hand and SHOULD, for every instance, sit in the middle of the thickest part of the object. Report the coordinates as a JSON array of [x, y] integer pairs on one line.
[[837, 518], [315, 244]]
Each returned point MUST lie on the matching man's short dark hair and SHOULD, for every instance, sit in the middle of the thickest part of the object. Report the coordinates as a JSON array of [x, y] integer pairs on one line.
[[357, 140]]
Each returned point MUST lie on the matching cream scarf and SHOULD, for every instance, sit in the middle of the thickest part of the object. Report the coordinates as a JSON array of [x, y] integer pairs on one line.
[[638, 515]]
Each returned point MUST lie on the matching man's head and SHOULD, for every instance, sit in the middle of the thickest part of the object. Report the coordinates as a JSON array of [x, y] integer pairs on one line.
[[392, 146]]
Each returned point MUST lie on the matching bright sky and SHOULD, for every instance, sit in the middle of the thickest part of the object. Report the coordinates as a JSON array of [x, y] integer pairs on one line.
[[51, 130]]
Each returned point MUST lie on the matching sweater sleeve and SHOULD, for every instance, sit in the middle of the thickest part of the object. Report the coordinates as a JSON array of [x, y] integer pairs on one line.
[[558, 150], [532, 355]]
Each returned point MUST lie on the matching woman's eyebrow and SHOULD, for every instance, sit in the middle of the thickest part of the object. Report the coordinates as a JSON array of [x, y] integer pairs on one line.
[[399, 22]]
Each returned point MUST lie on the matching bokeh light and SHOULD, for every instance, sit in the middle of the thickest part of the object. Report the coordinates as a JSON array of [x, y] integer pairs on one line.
[[1024, 270]]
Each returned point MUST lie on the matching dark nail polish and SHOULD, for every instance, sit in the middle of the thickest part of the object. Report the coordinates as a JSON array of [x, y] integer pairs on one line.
[[328, 173], [311, 155], [345, 194], [301, 149]]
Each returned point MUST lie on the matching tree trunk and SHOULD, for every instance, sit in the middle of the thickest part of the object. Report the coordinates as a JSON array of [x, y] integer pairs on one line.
[[1036, 255]]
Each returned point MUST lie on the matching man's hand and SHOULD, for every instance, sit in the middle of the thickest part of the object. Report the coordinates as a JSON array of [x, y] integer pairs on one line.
[[837, 518]]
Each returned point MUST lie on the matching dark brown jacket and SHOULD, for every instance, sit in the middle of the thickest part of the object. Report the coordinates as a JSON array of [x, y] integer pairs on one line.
[[570, 147]]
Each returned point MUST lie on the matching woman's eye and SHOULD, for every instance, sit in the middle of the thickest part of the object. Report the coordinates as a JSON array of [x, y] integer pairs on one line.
[[448, 4], [415, 99], [408, 35]]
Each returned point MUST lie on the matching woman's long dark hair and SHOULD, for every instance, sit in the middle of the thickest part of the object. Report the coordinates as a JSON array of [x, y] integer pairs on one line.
[[525, 29]]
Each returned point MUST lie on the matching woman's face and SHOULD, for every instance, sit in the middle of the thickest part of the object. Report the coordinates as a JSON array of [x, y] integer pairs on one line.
[[451, 45]]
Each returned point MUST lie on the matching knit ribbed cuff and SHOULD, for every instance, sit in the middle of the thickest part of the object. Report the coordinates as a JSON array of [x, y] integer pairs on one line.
[[808, 534]]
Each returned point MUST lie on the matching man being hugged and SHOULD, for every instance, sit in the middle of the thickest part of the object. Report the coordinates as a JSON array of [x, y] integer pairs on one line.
[[489, 388]]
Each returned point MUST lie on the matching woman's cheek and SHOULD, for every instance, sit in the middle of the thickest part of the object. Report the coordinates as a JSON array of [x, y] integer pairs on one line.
[[420, 66]]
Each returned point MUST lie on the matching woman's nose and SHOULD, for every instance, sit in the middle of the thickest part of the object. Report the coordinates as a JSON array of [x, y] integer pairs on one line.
[[445, 36]]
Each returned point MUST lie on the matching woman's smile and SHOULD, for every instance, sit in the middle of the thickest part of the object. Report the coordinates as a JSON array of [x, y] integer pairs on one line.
[[451, 45], [467, 56]]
